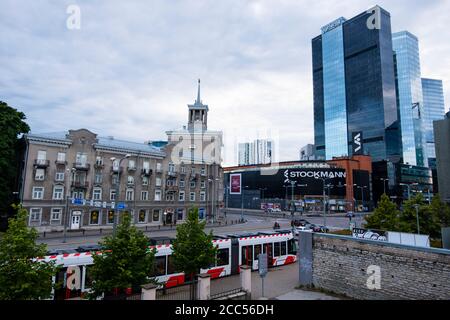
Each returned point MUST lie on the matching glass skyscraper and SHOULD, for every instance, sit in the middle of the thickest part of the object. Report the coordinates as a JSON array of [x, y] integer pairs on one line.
[[354, 89], [410, 98], [434, 109]]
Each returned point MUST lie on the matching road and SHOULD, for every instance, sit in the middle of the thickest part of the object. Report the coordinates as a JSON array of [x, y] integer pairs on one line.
[[254, 223]]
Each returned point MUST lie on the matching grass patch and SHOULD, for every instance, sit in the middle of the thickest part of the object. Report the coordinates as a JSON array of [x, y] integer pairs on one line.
[[343, 232]]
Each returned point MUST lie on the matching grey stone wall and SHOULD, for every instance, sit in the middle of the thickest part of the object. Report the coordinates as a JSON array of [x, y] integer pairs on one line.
[[340, 265]]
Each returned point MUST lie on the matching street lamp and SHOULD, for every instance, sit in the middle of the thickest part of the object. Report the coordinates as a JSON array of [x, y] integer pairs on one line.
[[116, 211], [362, 194], [66, 213], [408, 185], [384, 184], [242, 202], [417, 217]]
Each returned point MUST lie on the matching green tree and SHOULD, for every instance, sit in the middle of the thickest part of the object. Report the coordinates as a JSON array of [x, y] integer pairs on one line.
[[428, 220], [22, 277], [125, 263], [12, 125], [385, 216], [441, 210], [193, 249]]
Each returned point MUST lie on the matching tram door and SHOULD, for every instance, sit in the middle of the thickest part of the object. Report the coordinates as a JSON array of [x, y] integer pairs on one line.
[[247, 256], [256, 252], [267, 248], [234, 256]]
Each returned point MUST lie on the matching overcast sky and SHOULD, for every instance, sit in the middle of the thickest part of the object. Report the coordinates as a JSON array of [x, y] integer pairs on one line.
[[132, 67]]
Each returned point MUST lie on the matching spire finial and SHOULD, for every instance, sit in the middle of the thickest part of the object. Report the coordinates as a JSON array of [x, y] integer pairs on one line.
[[198, 93]]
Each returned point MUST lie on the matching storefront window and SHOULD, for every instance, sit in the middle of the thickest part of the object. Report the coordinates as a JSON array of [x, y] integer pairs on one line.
[[142, 216], [156, 214], [94, 217], [111, 216]]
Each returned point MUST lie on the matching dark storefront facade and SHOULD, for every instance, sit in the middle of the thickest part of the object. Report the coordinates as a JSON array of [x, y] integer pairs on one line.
[[298, 186]]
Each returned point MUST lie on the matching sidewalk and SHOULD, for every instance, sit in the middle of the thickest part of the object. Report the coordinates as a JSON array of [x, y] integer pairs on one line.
[[299, 294]]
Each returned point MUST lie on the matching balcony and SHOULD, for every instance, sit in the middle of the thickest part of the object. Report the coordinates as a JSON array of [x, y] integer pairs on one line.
[[146, 172], [182, 173], [115, 170], [158, 170], [80, 184], [60, 162], [130, 183], [131, 168], [99, 165], [171, 189], [172, 173], [41, 163], [81, 166]]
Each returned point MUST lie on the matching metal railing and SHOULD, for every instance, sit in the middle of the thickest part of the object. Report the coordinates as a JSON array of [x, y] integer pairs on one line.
[[186, 291], [227, 293]]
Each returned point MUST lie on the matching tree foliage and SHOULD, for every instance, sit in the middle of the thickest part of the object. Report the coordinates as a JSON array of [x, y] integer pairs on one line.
[[125, 263], [11, 126], [193, 248], [22, 277], [385, 216], [428, 218]]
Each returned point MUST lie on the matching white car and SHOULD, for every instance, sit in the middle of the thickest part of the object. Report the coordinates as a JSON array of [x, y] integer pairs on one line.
[[302, 228]]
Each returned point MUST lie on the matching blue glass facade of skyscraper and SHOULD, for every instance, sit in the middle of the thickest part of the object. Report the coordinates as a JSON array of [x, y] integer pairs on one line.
[[335, 111], [434, 109], [410, 98]]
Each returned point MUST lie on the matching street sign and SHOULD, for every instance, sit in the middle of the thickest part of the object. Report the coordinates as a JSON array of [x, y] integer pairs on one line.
[[121, 205], [262, 264], [77, 201], [113, 205]]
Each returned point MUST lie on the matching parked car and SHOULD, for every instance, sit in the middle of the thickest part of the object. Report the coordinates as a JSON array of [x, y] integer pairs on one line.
[[300, 222], [88, 248], [298, 229], [60, 251], [276, 225]]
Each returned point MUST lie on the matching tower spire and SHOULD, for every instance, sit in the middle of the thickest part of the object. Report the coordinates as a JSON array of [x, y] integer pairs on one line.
[[198, 93]]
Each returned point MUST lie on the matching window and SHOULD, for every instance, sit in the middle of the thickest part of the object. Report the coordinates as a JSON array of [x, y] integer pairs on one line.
[[157, 195], [247, 255], [42, 155], [58, 192], [110, 218], [94, 217], [112, 195], [144, 195], [35, 215], [98, 160], [130, 195], [257, 250], [81, 158], [171, 167], [40, 174], [158, 166], [181, 196], [276, 249], [292, 247], [171, 268], [130, 180], [203, 184], [97, 194], [55, 215], [193, 184], [146, 166], [61, 157], [38, 193], [78, 195], [116, 165], [192, 196], [156, 214], [193, 170], [223, 256], [180, 214], [169, 197], [183, 169], [158, 182], [283, 248], [98, 177], [160, 266], [181, 183], [202, 196], [131, 164], [59, 176], [203, 171], [142, 216], [115, 180], [145, 181]]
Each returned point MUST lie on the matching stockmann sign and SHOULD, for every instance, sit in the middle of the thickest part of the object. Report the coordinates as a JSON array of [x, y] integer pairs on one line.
[[316, 174]]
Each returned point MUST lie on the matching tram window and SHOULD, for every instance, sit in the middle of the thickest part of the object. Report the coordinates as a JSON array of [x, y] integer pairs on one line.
[[171, 268], [276, 249], [292, 247], [257, 250], [223, 256], [283, 248], [88, 277], [160, 266], [246, 255]]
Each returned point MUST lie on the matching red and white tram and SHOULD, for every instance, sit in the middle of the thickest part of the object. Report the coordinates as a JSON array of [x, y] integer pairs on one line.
[[234, 250]]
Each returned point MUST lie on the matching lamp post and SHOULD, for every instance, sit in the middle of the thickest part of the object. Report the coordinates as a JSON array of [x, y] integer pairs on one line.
[[362, 194], [116, 211], [242, 202], [384, 184], [66, 210], [417, 217], [408, 185]]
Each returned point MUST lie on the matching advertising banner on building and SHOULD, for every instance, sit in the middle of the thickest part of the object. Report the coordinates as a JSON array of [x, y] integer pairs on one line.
[[369, 234], [235, 183]]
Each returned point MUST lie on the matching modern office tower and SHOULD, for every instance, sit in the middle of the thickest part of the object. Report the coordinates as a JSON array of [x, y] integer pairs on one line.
[[442, 143], [256, 152], [354, 90], [307, 152], [434, 109], [246, 155], [410, 98]]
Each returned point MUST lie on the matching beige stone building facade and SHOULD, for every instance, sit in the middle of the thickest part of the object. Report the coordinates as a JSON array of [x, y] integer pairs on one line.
[[79, 180]]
